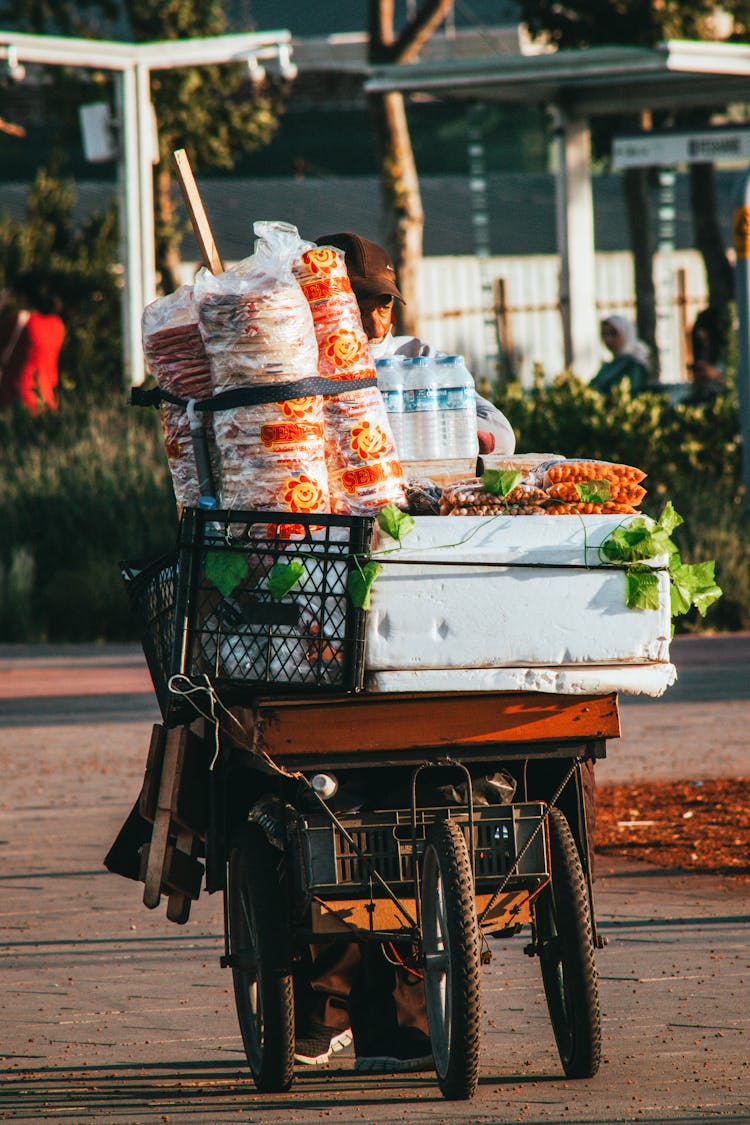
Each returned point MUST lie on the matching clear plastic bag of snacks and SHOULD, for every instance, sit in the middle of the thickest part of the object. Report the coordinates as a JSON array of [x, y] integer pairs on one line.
[[364, 472], [258, 331], [177, 359]]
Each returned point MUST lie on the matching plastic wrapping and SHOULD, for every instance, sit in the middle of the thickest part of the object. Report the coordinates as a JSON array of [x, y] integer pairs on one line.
[[258, 329], [619, 494], [471, 498], [177, 359], [423, 496], [364, 472], [582, 469]]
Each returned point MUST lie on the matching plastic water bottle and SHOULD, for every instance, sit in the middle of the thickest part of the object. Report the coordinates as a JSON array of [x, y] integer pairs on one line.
[[421, 429], [457, 407], [390, 374], [212, 530]]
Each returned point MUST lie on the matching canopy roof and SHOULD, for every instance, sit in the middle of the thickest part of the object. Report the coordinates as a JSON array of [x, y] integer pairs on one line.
[[589, 81]]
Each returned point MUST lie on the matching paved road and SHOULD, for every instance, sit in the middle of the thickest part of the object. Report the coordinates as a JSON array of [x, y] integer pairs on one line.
[[110, 1012]]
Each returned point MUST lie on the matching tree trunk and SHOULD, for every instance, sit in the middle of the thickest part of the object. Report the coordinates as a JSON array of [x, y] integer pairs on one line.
[[643, 244], [708, 237], [168, 259], [402, 201]]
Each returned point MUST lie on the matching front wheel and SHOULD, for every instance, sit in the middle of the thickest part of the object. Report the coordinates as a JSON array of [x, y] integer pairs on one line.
[[259, 956], [451, 955], [564, 942]]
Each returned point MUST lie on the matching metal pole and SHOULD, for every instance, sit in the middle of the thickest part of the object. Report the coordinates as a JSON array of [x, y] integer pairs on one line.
[[741, 237], [146, 141], [575, 241], [135, 370]]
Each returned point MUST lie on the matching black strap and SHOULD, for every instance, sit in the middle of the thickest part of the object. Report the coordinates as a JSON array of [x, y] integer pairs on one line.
[[253, 395]]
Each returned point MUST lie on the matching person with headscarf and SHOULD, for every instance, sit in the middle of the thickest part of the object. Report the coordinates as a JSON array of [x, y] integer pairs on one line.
[[630, 357]]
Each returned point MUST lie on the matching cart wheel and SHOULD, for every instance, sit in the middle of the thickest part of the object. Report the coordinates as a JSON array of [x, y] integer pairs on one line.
[[259, 947], [565, 945], [450, 944]]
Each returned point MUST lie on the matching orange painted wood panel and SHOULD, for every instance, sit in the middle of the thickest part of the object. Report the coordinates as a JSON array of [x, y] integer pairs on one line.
[[407, 722], [341, 915]]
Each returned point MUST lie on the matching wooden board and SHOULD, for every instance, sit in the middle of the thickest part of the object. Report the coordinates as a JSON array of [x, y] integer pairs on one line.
[[295, 729], [197, 212]]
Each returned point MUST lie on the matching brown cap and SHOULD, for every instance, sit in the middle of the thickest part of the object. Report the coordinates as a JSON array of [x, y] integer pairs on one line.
[[370, 270]]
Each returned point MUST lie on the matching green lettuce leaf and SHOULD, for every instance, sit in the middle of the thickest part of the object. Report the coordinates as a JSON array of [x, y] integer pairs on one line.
[[696, 585], [283, 577], [225, 569], [359, 582], [594, 491], [669, 519], [394, 522], [500, 481], [637, 541], [641, 588]]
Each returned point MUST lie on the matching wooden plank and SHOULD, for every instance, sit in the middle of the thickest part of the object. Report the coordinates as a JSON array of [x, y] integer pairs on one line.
[[197, 212], [408, 722], [182, 876], [147, 801], [157, 852]]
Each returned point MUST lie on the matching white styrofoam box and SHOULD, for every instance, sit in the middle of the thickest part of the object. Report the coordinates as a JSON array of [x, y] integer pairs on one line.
[[552, 540], [592, 679], [449, 598]]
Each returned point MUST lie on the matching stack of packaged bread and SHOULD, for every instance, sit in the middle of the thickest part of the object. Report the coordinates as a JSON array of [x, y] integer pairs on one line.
[[271, 328], [364, 472], [176, 356]]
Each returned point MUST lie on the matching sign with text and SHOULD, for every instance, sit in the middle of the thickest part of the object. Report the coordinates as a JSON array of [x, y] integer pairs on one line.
[[646, 150]]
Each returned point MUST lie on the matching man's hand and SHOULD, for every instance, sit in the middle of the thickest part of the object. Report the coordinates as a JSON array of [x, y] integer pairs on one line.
[[486, 441]]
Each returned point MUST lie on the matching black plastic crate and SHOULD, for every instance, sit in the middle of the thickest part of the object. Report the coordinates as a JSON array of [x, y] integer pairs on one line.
[[212, 615], [152, 590], [334, 869]]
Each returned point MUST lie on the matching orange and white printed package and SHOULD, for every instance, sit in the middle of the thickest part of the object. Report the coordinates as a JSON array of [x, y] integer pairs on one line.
[[258, 330], [364, 472], [177, 359], [560, 480]]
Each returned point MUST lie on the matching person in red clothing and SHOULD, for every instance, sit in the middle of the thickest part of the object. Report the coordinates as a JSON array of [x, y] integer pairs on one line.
[[30, 343]]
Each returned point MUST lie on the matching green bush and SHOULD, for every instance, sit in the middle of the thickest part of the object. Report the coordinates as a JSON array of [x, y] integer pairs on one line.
[[691, 455], [82, 489], [79, 491]]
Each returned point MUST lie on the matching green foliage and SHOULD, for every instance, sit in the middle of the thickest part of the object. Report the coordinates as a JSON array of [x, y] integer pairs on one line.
[[643, 538], [691, 455], [500, 482], [360, 580], [79, 490], [283, 577], [394, 522], [214, 112], [643, 23], [682, 448], [47, 254], [225, 569]]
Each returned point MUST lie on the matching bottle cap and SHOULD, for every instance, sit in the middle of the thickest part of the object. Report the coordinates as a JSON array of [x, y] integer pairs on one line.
[[207, 503]]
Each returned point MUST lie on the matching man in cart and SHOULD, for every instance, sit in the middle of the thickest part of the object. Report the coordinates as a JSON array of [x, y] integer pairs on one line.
[[375, 988], [373, 279]]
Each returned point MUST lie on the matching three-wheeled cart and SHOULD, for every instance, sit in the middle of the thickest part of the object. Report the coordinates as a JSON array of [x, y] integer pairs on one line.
[[458, 815]]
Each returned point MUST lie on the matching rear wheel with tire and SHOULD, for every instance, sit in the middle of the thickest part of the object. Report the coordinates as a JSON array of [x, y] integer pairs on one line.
[[259, 951], [564, 942], [451, 955]]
